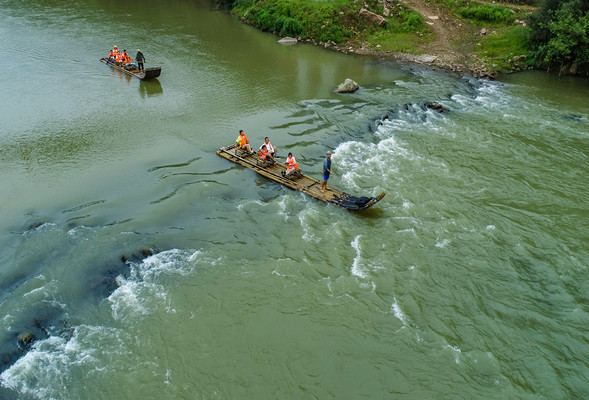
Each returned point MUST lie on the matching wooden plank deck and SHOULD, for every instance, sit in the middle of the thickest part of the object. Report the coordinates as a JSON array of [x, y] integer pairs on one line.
[[148, 73], [304, 184]]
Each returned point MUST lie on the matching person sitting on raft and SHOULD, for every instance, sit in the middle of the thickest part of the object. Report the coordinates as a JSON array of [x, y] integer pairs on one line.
[[127, 60], [265, 154], [113, 54], [291, 165], [243, 142], [119, 58], [271, 149]]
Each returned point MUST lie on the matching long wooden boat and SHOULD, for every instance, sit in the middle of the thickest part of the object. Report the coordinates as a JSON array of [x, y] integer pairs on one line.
[[304, 183], [149, 73]]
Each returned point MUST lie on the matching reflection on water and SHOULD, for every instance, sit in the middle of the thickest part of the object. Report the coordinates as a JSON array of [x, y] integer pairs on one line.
[[150, 87]]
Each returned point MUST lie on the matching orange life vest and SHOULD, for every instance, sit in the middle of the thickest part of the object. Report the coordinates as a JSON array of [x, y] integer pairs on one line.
[[291, 163], [115, 51], [111, 54], [263, 154], [126, 58], [244, 140], [119, 57]]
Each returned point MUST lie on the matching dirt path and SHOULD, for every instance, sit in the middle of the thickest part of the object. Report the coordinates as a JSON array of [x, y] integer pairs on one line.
[[448, 49], [450, 37]]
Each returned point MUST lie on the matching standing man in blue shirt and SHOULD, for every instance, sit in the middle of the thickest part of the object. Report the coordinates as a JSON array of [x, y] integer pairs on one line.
[[326, 171]]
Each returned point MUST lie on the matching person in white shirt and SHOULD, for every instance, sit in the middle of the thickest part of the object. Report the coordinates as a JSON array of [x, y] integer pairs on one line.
[[271, 149]]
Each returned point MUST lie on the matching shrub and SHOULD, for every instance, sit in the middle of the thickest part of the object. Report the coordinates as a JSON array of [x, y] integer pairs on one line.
[[290, 27], [493, 14], [413, 21]]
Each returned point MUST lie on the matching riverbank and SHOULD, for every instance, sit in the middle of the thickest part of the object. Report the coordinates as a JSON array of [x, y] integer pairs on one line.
[[427, 33]]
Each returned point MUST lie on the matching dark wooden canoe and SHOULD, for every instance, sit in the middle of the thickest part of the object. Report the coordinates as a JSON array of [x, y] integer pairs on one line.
[[303, 184], [149, 73]]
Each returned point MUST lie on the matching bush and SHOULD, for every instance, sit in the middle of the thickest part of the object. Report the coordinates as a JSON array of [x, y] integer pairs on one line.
[[290, 27], [413, 21], [493, 14]]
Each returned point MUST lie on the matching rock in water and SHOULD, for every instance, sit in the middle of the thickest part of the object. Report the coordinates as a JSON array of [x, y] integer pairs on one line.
[[348, 86], [288, 40], [25, 338]]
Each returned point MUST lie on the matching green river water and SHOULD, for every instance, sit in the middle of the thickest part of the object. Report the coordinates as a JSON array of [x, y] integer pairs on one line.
[[469, 280]]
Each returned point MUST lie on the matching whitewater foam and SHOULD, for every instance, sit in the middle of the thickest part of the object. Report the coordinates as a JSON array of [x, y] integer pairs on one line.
[[356, 264]]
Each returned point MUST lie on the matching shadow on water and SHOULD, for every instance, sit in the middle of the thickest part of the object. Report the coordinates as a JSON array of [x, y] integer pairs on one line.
[[150, 87]]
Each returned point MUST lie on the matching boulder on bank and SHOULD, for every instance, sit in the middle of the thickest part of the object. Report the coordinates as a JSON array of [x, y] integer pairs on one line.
[[348, 86], [288, 40], [372, 17]]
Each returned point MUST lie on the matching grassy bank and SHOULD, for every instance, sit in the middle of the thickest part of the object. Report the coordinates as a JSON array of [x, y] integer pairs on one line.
[[336, 22], [497, 35]]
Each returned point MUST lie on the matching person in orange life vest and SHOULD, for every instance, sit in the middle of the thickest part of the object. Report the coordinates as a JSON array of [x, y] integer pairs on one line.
[[119, 58], [113, 54], [127, 60], [291, 165], [264, 153], [271, 149], [243, 142]]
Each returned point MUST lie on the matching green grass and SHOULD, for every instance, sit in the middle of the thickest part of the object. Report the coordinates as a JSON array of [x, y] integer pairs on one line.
[[328, 21], [483, 14], [498, 50], [402, 42]]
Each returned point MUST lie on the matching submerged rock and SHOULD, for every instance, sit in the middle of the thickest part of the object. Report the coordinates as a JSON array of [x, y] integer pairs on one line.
[[348, 86], [288, 40]]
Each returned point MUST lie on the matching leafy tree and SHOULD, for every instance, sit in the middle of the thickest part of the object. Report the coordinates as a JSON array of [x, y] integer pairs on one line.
[[560, 33]]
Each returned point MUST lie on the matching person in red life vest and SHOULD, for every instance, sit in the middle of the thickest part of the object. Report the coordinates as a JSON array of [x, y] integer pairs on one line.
[[291, 165], [265, 154], [243, 142], [271, 149]]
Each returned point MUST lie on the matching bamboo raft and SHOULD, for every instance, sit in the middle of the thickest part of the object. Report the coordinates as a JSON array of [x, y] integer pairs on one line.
[[148, 73], [304, 183]]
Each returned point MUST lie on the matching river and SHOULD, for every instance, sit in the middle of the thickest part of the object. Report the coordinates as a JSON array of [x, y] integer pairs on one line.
[[468, 280]]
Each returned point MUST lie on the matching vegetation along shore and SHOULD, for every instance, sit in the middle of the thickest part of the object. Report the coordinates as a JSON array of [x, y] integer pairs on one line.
[[483, 38]]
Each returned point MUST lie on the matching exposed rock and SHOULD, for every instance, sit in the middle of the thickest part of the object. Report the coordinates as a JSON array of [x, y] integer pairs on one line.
[[35, 225], [386, 11], [348, 86], [519, 58], [372, 17], [288, 40], [483, 32], [433, 105], [146, 252], [25, 338], [426, 58], [433, 17]]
